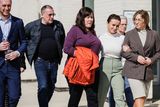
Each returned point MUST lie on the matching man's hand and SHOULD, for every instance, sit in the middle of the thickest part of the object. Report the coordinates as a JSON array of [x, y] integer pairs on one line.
[[4, 45], [22, 69], [12, 55]]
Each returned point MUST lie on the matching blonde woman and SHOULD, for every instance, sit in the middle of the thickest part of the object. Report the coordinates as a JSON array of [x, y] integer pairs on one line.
[[144, 47]]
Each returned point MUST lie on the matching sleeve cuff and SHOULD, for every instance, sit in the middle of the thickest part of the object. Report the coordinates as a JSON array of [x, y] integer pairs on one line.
[[18, 53]]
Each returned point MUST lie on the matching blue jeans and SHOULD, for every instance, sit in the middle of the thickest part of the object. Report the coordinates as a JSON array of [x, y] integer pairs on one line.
[[46, 73], [128, 94], [10, 76]]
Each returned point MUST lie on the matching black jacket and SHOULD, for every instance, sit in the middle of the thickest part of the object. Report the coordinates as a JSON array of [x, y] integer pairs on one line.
[[33, 34]]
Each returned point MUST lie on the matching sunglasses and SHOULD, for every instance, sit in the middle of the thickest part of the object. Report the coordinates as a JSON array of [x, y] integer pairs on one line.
[[52, 14]]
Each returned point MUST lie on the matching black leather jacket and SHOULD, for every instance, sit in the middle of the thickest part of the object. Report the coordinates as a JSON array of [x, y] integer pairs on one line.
[[33, 34]]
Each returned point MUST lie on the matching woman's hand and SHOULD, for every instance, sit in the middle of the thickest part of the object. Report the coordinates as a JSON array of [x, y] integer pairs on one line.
[[144, 60], [126, 48], [141, 59], [148, 61]]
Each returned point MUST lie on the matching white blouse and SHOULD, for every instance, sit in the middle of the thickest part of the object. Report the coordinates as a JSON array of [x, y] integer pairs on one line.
[[111, 44]]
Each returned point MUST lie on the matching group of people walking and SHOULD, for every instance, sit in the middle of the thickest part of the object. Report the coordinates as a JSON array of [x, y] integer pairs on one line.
[[125, 62]]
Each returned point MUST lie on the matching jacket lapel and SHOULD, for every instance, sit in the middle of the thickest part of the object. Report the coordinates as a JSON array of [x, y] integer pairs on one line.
[[12, 27], [148, 39], [138, 42]]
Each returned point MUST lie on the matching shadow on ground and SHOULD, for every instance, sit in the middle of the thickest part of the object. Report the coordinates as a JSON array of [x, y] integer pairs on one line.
[[152, 105]]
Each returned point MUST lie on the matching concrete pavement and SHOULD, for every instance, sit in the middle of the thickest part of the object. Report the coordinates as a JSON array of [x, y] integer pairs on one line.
[[59, 99]]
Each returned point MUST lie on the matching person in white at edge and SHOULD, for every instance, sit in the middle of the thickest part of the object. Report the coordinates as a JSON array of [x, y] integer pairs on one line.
[[110, 64], [128, 93]]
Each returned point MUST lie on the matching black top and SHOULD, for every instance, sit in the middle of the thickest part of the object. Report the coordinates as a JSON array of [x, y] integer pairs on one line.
[[48, 48]]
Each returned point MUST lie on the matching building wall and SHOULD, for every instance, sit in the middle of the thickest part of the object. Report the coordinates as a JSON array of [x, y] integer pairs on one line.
[[27, 12], [103, 8]]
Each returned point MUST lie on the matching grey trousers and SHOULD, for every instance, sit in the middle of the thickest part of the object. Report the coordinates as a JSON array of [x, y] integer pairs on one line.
[[110, 74]]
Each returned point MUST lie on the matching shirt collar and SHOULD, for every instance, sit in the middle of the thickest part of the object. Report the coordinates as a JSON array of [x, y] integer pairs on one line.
[[7, 19]]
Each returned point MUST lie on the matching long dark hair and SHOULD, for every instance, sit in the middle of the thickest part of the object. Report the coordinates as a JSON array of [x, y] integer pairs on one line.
[[84, 12]]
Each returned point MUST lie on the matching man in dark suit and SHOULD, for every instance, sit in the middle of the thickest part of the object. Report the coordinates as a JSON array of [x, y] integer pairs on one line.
[[12, 46], [45, 43]]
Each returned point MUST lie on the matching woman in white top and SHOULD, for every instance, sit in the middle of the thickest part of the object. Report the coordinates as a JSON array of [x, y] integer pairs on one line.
[[111, 65]]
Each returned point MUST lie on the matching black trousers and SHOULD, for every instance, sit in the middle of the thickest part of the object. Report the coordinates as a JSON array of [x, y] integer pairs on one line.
[[76, 90]]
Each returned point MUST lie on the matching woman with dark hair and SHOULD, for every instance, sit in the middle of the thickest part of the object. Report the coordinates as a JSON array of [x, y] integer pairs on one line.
[[110, 64], [141, 49], [82, 35]]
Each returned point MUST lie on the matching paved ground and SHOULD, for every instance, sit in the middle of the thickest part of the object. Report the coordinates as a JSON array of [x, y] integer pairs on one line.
[[59, 99]]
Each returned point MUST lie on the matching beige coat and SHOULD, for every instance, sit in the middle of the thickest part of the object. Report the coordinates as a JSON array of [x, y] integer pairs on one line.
[[151, 49]]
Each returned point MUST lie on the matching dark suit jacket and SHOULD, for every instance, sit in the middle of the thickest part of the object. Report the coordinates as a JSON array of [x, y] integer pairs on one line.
[[151, 49], [16, 39]]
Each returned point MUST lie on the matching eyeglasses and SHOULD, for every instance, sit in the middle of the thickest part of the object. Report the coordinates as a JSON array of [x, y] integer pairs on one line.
[[139, 20], [52, 14]]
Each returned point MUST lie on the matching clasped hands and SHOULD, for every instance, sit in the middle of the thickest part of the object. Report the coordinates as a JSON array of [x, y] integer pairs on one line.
[[142, 60], [9, 54]]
